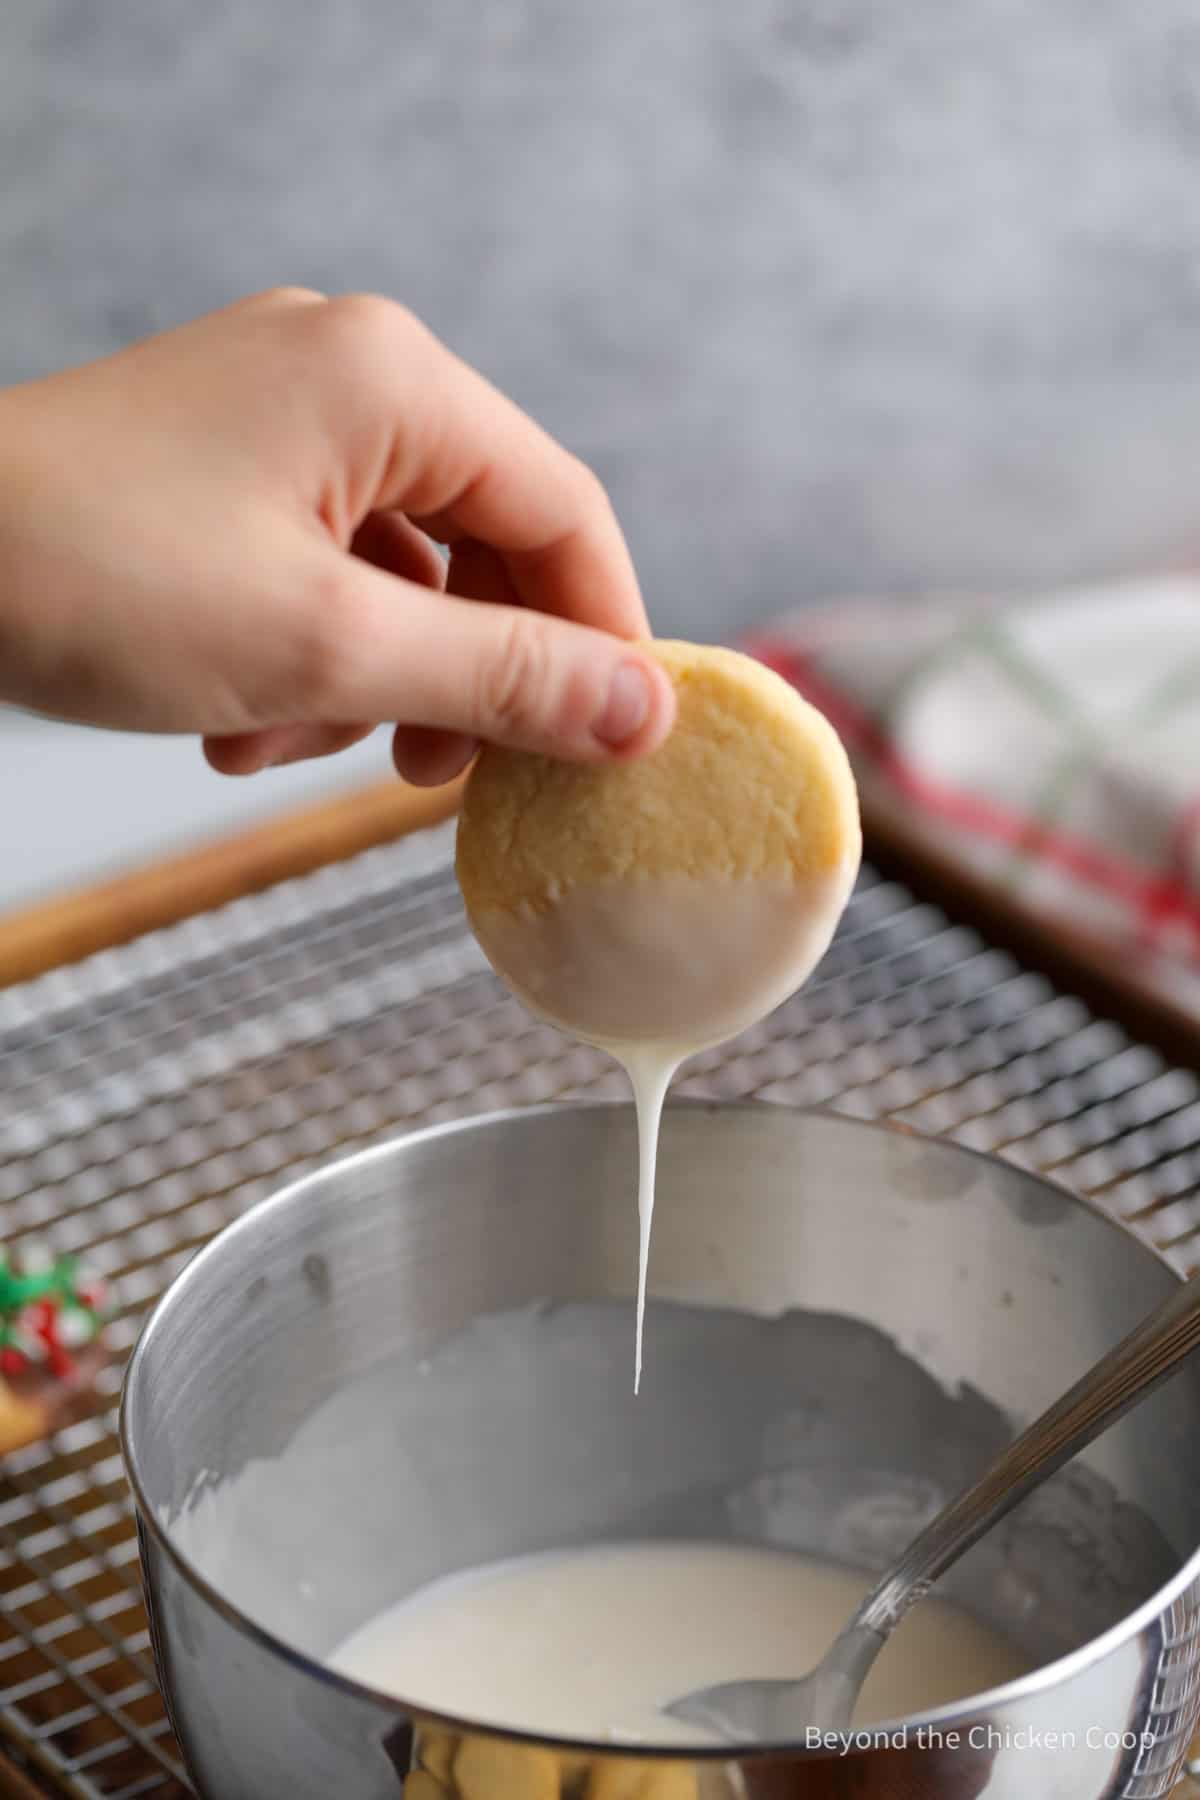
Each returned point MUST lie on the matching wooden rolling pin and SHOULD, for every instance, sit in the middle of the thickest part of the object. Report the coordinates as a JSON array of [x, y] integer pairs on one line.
[[62, 930]]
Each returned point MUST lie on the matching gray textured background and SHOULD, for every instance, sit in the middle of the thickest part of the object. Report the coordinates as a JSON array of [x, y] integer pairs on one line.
[[838, 295]]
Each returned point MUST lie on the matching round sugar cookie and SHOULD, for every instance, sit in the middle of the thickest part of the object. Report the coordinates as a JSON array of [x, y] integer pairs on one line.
[[674, 900]]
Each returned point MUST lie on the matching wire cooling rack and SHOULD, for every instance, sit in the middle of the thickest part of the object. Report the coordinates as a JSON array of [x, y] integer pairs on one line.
[[152, 1093]]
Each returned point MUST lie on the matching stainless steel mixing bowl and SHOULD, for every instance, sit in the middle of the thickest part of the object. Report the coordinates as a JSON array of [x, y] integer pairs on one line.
[[421, 1358]]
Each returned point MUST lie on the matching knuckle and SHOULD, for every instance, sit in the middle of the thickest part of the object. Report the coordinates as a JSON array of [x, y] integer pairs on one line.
[[593, 494], [366, 340], [367, 326], [286, 298], [515, 687]]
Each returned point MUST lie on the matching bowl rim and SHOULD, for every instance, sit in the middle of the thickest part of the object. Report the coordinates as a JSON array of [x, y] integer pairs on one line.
[[972, 1708]]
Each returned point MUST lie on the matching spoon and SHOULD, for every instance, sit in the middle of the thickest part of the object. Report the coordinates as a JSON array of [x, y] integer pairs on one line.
[[825, 1698]]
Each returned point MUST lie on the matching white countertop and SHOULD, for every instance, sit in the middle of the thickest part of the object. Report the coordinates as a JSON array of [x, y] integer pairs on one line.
[[80, 806]]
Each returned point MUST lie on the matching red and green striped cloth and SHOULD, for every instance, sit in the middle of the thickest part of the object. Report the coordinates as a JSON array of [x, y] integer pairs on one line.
[[1050, 746]]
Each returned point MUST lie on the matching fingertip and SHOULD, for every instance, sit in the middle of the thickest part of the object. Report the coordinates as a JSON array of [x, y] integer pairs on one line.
[[639, 709], [390, 542], [244, 754], [426, 757], [665, 708]]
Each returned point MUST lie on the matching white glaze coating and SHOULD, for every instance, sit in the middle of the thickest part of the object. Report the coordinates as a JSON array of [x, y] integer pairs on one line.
[[591, 1643], [678, 963]]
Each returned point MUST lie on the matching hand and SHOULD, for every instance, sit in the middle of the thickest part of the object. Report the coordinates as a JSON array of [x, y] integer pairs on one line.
[[229, 530]]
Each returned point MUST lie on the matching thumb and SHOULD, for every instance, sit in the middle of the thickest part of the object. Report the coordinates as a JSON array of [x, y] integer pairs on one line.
[[504, 674]]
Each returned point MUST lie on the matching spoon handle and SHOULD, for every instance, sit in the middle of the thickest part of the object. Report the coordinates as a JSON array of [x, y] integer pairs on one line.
[[1139, 1363]]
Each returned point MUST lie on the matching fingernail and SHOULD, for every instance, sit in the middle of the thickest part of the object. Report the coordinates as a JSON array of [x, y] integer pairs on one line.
[[627, 707]]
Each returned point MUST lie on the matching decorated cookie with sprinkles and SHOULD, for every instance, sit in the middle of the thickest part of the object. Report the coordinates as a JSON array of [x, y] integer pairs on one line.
[[51, 1344]]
